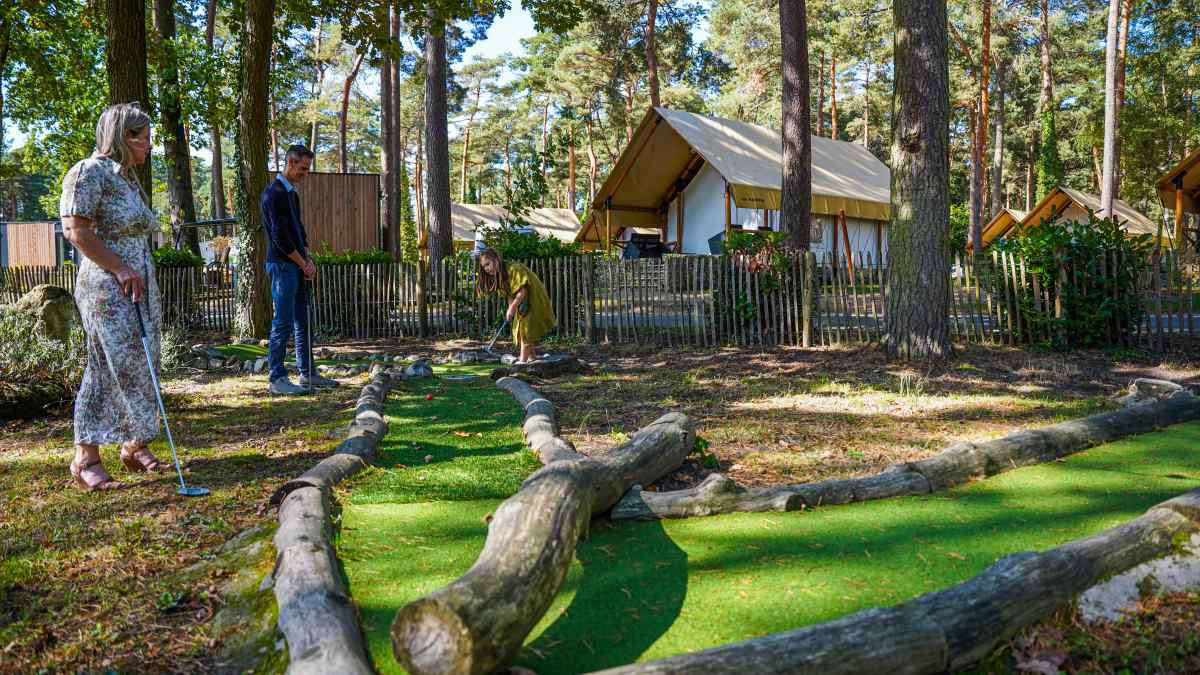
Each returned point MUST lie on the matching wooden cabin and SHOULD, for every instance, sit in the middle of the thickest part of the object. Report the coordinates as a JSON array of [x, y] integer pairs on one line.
[[694, 178], [1179, 190], [1000, 224]]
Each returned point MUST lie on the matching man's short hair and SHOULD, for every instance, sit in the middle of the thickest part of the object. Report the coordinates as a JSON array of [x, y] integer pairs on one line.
[[297, 152]]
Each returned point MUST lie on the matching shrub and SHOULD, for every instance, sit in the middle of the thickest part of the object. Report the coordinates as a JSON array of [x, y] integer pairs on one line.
[[1098, 298], [26, 356], [328, 257], [515, 243], [169, 256]]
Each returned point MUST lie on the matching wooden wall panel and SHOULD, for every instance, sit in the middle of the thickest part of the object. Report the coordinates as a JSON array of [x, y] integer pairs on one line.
[[341, 210], [31, 244]]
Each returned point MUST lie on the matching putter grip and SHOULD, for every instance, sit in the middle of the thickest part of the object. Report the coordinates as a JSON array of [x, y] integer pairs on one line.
[[137, 309]]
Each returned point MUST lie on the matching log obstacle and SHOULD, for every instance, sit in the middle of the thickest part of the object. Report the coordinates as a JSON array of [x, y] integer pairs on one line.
[[957, 464], [478, 623], [955, 627], [316, 615]]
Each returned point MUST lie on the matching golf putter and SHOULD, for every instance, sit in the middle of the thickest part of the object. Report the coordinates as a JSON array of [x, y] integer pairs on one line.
[[183, 487], [308, 329], [495, 337]]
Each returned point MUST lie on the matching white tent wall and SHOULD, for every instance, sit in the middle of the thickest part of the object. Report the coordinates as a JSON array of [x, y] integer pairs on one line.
[[704, 218]]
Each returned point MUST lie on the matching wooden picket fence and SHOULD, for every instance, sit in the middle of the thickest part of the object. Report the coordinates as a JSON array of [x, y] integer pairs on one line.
[[684, 300]]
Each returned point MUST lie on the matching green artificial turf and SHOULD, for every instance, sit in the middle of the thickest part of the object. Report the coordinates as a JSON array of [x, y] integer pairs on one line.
[[641, 591], [470, 431]]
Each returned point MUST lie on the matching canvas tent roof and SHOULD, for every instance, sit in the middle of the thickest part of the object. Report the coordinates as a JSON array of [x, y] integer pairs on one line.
[[560, 224], [1000, 224], [845, 176], [1187, 172], [1130, 219]]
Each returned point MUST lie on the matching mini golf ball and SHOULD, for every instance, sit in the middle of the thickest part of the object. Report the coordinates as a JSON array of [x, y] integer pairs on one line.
[[428, 397]]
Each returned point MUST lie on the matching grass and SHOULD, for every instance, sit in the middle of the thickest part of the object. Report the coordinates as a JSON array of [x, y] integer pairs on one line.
[[640, 591]]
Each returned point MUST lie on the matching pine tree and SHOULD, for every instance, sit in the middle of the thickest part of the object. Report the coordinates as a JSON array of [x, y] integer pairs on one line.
[[1049, 165], [408, 225]]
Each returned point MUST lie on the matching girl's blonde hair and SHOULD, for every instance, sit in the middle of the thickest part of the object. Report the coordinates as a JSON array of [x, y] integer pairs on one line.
[[116, 124], [485, 283]]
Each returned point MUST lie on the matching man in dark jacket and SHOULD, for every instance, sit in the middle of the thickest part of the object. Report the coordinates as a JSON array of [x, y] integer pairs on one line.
[[290, 268]]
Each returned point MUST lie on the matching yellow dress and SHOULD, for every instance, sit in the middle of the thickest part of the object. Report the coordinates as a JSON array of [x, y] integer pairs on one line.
[[538, 320]]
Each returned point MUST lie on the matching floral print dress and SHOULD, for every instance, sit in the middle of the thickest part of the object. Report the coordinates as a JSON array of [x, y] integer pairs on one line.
[[116, 400]]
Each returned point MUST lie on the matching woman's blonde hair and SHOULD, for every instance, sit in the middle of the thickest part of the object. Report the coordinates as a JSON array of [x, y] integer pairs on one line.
[[116, 123]]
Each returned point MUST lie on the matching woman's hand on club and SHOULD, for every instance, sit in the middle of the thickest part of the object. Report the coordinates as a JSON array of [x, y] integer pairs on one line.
[[132, 283], [512, 311]]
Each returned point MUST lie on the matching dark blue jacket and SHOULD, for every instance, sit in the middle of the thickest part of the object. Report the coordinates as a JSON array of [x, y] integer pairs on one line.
[[281, 217]]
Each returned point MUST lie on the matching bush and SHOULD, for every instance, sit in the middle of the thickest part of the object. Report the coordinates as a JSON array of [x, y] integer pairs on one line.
[[1097, 301], [369, 257], [515, 243], [26, 356], [169, 256]]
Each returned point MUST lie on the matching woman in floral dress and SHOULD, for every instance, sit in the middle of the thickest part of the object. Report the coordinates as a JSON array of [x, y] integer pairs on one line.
[[107, 216]]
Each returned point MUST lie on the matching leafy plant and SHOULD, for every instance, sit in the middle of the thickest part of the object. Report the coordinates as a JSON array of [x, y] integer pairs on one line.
[[325, 256], [514, 240], [26, 356], [1090, 270], [169, 256]]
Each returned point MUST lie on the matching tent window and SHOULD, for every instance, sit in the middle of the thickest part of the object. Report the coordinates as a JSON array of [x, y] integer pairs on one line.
[[815, 230]]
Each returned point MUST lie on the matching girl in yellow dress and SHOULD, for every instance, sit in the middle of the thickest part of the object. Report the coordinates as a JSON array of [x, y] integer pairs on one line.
[[529, 309]]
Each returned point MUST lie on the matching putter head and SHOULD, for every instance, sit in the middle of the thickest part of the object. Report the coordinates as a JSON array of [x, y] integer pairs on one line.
[[192, 491]]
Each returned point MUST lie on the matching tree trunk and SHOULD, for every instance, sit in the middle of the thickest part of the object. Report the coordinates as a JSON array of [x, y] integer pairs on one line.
[[254, 292], [478, 623], [1122, 50], [867, 106], [508, 165], [821, 95], [125, 62], [545, 145], [217, 182], [466, 156], [1097, 169], [571, 180], [1030, 179], [437, 143], [630, 91], [998, 150], [176, 154], [980, 132], [796, 205], [1047, 94], [918, 289], [397, 178], [419, 201], [1110, 109], [833, 116], [318, 87], [274, 127], [651, 57], [593, 165], [387, 127], [343, 122], [5, 46]]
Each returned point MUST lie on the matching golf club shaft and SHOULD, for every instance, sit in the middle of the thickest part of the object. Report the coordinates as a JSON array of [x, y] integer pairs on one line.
[[162, 409], [308, 326]]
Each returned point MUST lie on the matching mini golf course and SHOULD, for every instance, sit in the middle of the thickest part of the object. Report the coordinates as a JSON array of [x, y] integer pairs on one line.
[[641, 591]]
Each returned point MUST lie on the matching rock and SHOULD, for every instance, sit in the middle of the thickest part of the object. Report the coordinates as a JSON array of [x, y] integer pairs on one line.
[[247, 341], [1145, 390], [420, 368], [260, 365], [199, 362], [508, 359], [377, 370], [52, 309], [397, 359], [1113, 598], [264, 343], [214, 364], [474, 356], [233, 361]]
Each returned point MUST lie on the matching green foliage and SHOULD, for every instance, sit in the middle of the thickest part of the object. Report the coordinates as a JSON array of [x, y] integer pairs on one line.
[[761, 254], [169, 256], [327, 257], [1049, 166], [1097, 298], [960, 227], [514, 244], [26, 356], [408, 223]]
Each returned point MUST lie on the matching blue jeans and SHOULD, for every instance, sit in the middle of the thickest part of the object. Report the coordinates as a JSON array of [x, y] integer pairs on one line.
[[290, 297]]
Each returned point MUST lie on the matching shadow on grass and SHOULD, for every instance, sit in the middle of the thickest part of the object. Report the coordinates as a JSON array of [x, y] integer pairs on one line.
[[630, 592]]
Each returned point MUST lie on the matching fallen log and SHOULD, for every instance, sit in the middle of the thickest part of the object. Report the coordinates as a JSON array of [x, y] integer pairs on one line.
[[478, 623], [957, 464], [540, 427], [952, 628], [316, 615]]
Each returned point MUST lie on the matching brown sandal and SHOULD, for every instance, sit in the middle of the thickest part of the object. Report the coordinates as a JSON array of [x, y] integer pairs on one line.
[[94, 481], [141, 459]]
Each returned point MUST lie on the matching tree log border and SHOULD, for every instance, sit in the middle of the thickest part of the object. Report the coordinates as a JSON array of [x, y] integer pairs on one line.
[[953, 627], [957, 464], [478, 623], [316, 614]]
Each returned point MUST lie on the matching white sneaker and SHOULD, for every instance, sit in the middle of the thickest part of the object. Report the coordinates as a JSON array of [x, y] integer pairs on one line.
[[285, 387]]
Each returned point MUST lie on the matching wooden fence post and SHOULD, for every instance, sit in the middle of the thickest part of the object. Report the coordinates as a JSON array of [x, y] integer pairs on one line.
[[423, 298], [589, 299], [807, 290]]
